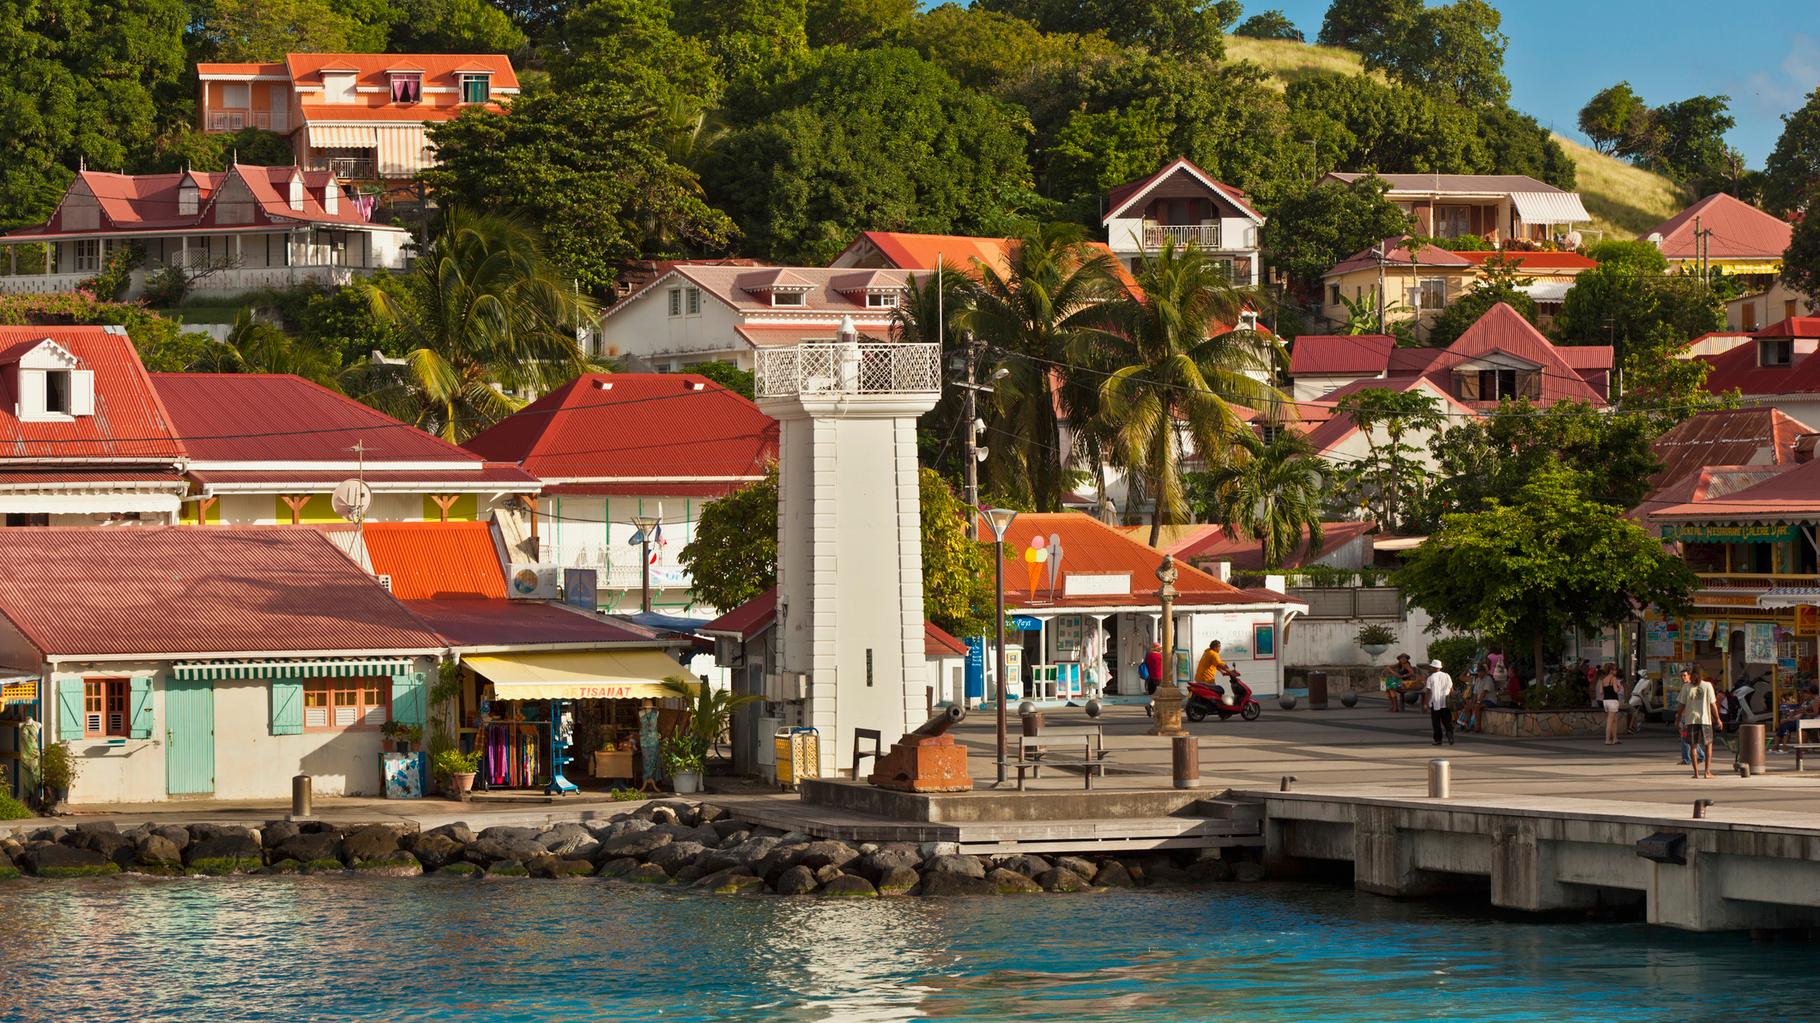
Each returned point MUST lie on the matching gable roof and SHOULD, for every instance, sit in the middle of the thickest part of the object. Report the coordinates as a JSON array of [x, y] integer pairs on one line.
[[905, 250], [1130, 192], [1338, 426], [1247, 555], [1793, 493], [197, 590], [1340, 354], [1736, 437], [1738, 231], [741, 288], [1503, 329], [1736, 368], [130, 421], [1397, 253], [149, 202], [436, 560], [1460, 184], [637, 428]]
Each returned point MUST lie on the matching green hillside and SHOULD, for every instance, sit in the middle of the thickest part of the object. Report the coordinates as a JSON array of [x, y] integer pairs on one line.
[[1625, 201]]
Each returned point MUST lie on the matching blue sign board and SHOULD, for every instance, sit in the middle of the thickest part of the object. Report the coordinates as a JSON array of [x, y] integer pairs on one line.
[[1025, 623], [975, 677]]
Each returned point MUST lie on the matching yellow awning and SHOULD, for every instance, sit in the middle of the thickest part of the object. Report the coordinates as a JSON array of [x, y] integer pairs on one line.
[[582, 675]]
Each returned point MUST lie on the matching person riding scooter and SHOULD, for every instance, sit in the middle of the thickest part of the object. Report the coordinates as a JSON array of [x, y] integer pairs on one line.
[[1212, 666]]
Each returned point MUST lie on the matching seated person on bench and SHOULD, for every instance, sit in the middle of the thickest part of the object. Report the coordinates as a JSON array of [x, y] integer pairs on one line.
[[1791, 724]]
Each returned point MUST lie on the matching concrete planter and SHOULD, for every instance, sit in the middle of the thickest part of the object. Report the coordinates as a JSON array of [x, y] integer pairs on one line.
[[1515, 723]]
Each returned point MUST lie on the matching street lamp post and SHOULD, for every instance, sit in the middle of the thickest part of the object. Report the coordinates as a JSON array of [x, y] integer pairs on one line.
[[1000, 519], [1168, 699], [645, 525]]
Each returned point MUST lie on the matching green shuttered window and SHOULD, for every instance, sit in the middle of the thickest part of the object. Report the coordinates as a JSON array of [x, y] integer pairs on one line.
[[287, 707], [408, 698], [140, 705]]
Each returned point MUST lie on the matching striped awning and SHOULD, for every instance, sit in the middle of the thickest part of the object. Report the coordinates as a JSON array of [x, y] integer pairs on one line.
[[1549, 208], [229, 671], [342, 136]]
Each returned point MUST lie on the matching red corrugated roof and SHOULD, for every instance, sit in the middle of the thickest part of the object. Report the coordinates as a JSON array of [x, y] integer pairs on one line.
[[269, 417], [938, 643], [1532, 260], [748, 621], [1793, 493], [150, 202], [1737, 437], [1737, 369], [100, 476], [196, 590], [1794, 326], [130, 422], [1396, 253], [657, 428], [1246, 554], [1340, 354], [467, 622], [1503, 329], [433, 560], [1739, 231], [665, 488], [456, 478], [437, 69]]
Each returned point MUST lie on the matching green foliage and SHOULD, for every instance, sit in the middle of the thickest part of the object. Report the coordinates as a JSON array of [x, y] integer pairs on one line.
[[452, 26], [586, 172], [57, 768], [710, 711], [1361, 25], [957, 577], [451, 762], [1270, 25], [1310, 232], [1626, 300], [632, 45], [1616, 120], [733, 556], [1270, 492], [1457, 49], [341, 323], [1458, 653], [186, 147], [858, 23], [1801, 264], [1690, 139], [116, 275], [870, 140], [1177, 27], [1095, 151], [266, 30], [1375, 635], [1662, 385], [256, 346], [1389, 477], [726, 374], [1549, 560], [1516, 143], [1499, 282], [13, 810], [754, 42], [1791, 176], [163, 345], [1634, 254], [1564, 690], [1467, 243], [683, 755], [988, 50]]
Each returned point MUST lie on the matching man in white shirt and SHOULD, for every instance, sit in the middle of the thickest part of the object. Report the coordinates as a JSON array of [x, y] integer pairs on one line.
[[1699, 715], [1438, 687]]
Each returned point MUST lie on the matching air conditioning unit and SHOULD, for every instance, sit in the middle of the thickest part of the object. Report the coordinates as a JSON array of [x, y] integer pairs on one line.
[[782, 687], [385, 580]]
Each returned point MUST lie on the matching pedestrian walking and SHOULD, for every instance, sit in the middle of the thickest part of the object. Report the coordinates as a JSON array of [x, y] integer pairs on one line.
[[1439, 688], [1611, 697], [1699, 713]]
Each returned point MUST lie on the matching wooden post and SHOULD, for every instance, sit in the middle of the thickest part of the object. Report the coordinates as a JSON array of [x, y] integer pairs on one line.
[[444, 502], [296, 504], [202, 509]]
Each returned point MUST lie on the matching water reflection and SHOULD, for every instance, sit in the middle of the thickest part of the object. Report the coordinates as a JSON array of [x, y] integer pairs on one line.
[[414, 949]]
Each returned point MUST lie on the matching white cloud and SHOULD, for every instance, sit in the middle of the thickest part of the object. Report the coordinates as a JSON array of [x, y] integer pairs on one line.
[[1796, 76]]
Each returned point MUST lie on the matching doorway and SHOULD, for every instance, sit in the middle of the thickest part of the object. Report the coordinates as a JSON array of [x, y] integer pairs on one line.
[[189, 737]]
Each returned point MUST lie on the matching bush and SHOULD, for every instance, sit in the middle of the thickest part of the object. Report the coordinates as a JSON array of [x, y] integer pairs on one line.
[[57, 769], [110, 284], [1458, 653], [451, 762], [1376, 635], [11, 809], [1467, 243], [1564, 690]]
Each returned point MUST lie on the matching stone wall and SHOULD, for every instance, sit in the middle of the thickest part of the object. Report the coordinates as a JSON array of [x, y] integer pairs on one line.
[[1514, 723]]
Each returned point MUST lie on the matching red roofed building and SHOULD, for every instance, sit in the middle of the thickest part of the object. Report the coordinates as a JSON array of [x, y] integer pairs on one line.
[[609, 447], [1743, 240], [1322, 363], [271, 448], [1727, 437], [1103, 599], [212, 662], [1183, 204], [1419, 284], [364, 115], [248, 227], [1344, 544], [1776, 367]]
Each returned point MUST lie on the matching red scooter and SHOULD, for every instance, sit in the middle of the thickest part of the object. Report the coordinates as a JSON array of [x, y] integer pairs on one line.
[[1205, 698]]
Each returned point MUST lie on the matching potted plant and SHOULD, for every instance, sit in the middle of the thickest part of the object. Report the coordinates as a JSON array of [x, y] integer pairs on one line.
[[459, 768], [56, 773], [683, 761], [404, 738], [710, 710], [1375, 639]]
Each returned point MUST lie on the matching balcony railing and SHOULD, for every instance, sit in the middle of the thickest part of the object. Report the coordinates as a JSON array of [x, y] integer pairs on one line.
[[352, 168], [1349, 602], [1201, 236], [234, 120], [837, 368]]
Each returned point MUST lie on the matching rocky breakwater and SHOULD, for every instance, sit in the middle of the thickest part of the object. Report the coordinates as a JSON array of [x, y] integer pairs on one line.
[[670, 843]]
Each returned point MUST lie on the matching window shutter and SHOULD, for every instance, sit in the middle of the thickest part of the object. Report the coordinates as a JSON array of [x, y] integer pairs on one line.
[[1469, 385], [31, 392], [287, 707], [407, 699], [140, 704], [69, 709], [82, 392]]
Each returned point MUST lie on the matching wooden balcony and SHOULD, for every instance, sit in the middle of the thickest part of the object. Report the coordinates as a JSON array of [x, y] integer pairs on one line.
[[1202, 236]]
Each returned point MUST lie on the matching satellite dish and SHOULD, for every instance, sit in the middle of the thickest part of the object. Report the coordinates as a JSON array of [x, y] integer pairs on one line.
[[351, 499]]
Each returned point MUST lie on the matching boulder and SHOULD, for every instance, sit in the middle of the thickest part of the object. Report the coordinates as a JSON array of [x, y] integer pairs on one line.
[[328, 866], [198, 832], [225, 853], [676, 855], [276, 833], [373, 842], [556, 866], [658, 813], [724, 826], [436, 851], [739, 884], [798, 880], [942, 884], [1026, 864], [707, 814], [52, 859], [1010, 882], [396, 863], [827, 853], [827, 873], [304, 847], [97, 827], [54, 833], [873, 865], [485, 851], [718, 877], [848, 886], [898, 880], [1248, 871], [646, 873], [930, 850], [1209, 871], [687, 874], [460, 868], [112, 844], [571, 840], [733, 839], [458, 832], [638, 844], [281, 867], [965, 866], [177, 836], [507, 868], [1077, 865], [158, 853], [1112, 874], [746, 854], [629, 825], [507, 833], [1059, 879], [617, 867]]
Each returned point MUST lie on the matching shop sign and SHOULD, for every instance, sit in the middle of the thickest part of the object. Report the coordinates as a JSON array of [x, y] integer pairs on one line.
[[1807, 620], [1025, 623], [1744, 532], [1789, 596], [1759, 643]]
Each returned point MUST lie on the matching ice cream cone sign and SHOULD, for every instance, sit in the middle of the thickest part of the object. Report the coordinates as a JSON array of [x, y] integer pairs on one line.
[[1034, 557], [1055, 561]]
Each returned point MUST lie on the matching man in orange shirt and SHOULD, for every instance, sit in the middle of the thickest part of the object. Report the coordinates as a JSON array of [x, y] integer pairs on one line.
[[1212, 665]]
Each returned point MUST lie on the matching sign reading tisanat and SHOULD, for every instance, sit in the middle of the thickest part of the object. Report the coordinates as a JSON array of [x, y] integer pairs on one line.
[[1747, 532]]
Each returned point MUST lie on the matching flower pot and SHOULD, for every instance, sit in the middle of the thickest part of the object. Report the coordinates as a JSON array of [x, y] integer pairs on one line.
[[462, 785], [686, 782], [1375, 649]]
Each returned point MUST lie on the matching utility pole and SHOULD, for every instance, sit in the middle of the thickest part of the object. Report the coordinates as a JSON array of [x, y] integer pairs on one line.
[[1378, 251], [975, 453]]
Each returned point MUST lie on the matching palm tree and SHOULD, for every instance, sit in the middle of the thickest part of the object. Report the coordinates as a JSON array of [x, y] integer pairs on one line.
[[1271, 491], [255, 346], [929, 313], [1036, 315], [487, 316], [1177, 369]]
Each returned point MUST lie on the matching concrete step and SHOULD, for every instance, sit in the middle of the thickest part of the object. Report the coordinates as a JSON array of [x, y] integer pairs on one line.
[[988, 806], [1251, 811]]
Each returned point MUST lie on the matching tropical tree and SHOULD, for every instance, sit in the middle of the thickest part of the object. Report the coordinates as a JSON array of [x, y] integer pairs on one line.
[[489, 317], [255, 346], [1271, 491], [1041, 310], [1389, 471], [929, 313], [1500, 282], [1177, 368]]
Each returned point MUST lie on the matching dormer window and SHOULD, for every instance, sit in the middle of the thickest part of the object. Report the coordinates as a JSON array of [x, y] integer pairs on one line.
[[49, 385], [331, 197], [475, 88], [1776, 351], [407, 87], [878, 300], [296, 196], [189, 199], [338, 85], [786, 298], [57, 392]]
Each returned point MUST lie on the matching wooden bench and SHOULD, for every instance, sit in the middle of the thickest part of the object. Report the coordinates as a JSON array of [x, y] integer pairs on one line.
[[1055, 748], [1802, 743]]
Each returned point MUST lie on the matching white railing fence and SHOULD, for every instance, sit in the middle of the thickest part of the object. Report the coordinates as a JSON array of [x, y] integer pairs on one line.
[[848, 368]]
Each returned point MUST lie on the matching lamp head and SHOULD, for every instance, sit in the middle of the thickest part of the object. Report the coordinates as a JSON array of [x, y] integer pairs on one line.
[[1000, 520]]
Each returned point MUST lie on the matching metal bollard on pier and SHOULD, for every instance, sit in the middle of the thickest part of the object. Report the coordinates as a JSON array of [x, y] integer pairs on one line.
[[303, 802], [1187, 766], [1440, 779]]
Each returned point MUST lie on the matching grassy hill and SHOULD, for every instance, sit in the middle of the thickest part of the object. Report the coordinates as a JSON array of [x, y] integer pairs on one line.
[[1625, 201]]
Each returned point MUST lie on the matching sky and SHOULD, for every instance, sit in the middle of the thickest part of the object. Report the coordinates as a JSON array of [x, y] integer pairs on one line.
[[1764, 54]]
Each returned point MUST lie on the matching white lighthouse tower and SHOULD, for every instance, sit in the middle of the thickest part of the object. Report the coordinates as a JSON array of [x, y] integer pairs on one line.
[[849, 538]]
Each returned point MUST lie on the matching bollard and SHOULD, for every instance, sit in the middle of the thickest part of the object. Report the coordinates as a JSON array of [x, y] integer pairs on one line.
[[1287, 780], [1440, 779], [302, 803], [1032, 722], [1700, 806], [1187, 750], [1752, 741], [1317, 690]]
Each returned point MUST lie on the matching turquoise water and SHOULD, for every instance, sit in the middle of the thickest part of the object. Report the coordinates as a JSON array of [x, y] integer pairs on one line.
[[432, 949]]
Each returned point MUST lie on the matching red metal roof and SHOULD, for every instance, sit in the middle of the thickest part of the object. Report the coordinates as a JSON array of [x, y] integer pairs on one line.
[[433, 560], [1396, 253], [270, 417], [149, 202], [130, 422], [1532, 260], [1503, 329], [1791, 494], [1247, 555], [196, 590], [1739, 231], [437, 69], [1794, 327], [772, 336], [661, 429], [492, 476], [1340, 354], [100, 476], [470, 622], [1737, 369], [748, 621], [938, 643], [1737, 437], [1123, 194], [651, 489]]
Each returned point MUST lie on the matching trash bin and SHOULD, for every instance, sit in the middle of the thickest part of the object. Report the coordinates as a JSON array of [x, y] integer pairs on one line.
[[798, 752], [1317, 690]]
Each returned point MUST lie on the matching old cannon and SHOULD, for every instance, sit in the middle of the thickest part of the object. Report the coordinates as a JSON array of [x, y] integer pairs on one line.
[[926, 759]]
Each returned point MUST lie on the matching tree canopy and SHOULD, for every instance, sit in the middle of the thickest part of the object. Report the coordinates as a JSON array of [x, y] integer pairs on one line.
[[1630, 296], [1457, 48], [1310, 232], [1270, 25], [1791, 177]]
